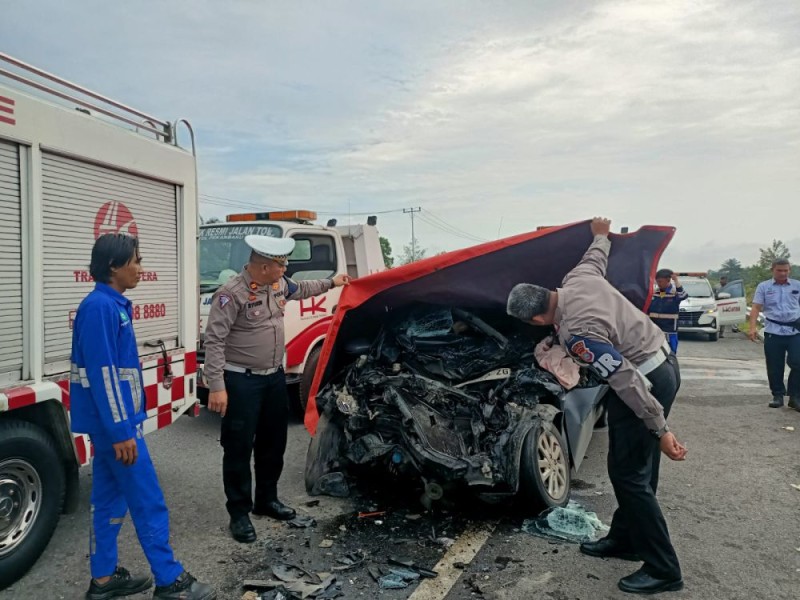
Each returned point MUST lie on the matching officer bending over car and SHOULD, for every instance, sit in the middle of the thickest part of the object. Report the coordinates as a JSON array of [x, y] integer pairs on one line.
[[244, 344], [599, 327]]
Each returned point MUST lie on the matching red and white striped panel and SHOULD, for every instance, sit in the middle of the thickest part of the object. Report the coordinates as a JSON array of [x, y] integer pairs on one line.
[[163, 404]]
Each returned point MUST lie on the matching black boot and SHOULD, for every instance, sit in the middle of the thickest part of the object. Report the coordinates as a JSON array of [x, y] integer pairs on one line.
[[122, 583], [794, 402], [609, 548], [242, 530], [275, 509], [185, 587], [777, 401], [642, 583]]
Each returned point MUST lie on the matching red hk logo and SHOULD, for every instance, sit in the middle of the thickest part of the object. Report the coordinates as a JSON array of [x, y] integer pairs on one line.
[[114, 217], [316, 306]]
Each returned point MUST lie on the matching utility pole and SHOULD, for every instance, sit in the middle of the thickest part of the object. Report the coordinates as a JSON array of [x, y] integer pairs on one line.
[[411, 211]]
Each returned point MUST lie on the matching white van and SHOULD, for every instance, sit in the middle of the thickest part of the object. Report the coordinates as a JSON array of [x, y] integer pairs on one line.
[[705, 312]]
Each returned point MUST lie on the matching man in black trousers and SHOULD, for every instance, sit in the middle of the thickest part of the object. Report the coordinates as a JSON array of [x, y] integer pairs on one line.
[[600, 328]]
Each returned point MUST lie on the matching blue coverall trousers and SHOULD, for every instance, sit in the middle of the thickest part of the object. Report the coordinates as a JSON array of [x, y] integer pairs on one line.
[[117, 489]]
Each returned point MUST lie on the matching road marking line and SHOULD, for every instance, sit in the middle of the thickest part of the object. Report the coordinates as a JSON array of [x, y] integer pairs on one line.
[[464, 550]]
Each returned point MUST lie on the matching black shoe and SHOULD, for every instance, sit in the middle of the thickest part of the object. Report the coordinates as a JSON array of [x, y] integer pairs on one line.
[[777, 401], [242, 530], [642, 583], [608, 548], [122, 583], [794, 402], [275, 509], [185, 587]]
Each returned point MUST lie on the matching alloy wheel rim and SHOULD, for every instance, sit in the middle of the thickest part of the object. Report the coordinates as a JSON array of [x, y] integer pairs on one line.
[[552, 465]]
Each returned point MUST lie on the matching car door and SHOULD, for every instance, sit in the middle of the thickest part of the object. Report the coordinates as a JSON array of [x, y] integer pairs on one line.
[[731, 303]]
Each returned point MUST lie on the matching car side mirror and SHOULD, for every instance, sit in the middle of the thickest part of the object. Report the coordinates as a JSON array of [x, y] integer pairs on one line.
[[723, 296]]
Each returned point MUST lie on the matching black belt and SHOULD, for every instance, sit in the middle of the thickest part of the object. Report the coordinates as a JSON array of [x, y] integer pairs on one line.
[[795, 323]]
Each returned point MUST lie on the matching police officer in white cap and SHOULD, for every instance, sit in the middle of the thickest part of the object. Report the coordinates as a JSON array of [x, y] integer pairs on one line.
[[244, 344]]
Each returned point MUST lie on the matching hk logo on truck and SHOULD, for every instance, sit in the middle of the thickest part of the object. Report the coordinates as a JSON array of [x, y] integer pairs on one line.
[[114, 217]]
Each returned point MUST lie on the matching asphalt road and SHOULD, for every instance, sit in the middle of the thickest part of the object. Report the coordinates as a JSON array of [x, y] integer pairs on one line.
[[731, 510]]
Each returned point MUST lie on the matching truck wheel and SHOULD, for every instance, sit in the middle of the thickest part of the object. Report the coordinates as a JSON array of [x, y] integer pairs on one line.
[[544, 468], [32, 488], [713, 337], [307, 379]]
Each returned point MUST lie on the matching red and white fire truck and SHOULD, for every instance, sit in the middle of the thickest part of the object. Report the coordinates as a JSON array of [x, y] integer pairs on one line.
[[73, 166], [319, 251]]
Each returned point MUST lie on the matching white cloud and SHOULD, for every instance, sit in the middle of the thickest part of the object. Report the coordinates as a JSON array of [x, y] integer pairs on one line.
[[493, 116]]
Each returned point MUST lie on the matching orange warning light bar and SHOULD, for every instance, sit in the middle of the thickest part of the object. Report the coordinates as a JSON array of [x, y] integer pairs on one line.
[[299, 216]]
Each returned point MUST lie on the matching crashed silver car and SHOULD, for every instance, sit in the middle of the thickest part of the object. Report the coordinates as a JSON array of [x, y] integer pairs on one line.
[[423, 375]]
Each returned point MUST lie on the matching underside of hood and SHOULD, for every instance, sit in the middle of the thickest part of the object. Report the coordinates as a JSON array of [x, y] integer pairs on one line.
[[480, 278]]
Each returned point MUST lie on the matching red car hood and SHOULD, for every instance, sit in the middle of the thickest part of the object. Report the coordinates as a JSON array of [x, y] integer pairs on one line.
[[481, 277]]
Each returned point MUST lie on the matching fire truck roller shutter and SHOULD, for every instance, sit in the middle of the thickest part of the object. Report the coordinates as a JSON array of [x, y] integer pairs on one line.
[[82, 201], [10, 265]]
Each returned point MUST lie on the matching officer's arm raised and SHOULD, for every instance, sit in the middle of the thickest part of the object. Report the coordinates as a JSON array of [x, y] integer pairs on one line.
[[595, 261]]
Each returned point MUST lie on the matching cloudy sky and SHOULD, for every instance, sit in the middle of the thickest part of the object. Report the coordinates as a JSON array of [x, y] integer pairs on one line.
[[493, 117]]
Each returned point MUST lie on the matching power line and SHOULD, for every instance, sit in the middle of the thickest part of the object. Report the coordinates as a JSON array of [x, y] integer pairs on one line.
[[455, 230], [449, 229], [220, 201]]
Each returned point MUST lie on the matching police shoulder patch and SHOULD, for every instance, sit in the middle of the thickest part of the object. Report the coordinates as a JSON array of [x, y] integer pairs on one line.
[[223, 300], [601, 356]]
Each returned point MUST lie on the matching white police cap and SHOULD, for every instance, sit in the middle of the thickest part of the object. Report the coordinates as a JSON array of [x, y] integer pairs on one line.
[[277, 249]]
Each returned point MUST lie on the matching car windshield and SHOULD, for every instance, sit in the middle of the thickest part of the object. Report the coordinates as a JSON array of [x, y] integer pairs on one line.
[[697, 288], [223, 252]]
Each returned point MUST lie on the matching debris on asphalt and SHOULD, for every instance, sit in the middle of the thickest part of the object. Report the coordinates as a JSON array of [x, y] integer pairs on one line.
[[398, 578], [312, 503], [502, 561], [350, 560], [414, 517], [795, 486], [789, 428], [331, 484], [301, 522], [326, 543], [410, 564], [368, 515], [251, 595], [572, 523], [295, 583]]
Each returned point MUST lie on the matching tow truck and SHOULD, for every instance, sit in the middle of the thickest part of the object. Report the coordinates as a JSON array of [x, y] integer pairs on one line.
[[320, 251]]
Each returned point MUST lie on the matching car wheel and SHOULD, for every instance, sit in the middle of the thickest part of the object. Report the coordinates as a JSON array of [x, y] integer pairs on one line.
[[307, 379], [32, 488], [713, 337], [544, 468]]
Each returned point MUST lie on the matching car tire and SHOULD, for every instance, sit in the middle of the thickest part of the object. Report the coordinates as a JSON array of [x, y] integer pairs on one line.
[[32, 486], [307, 379], [713, 337], [544, 468]]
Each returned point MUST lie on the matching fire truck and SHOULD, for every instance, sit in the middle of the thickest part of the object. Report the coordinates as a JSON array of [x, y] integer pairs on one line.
[[319, 251], [75, 165]]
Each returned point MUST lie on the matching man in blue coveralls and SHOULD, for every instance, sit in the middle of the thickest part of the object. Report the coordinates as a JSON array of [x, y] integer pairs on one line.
[[665, 305], [107, 402]]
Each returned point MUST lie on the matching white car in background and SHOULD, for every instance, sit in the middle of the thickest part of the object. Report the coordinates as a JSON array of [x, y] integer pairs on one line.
[[703, 312]]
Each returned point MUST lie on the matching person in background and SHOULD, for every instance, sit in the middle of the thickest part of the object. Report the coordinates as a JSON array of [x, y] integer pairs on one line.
[[665, 305], [779, 299]]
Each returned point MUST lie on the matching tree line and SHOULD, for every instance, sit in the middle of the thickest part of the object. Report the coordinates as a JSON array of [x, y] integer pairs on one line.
[[754, 274]]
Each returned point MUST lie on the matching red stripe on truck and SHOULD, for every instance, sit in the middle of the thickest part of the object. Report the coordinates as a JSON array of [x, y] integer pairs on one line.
[[297, 348]]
